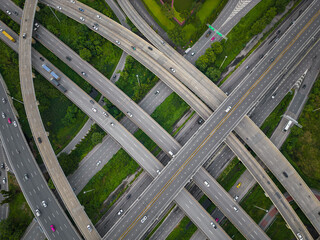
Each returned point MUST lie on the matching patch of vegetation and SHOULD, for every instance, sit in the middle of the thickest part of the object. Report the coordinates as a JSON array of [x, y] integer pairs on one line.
[[257, 198], [195, 13], [272, 121], [104, 182], [70, 162], [183, 231], [250, 25], [278, 230], [20, 215], [231, 174], [302, 147], [182, 5], [205, 62], [92, 47], [136, 87]]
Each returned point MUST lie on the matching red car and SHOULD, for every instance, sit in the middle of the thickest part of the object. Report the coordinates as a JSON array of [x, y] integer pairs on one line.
[[212, 39], [217, 219], [53, 228], [9, 120]]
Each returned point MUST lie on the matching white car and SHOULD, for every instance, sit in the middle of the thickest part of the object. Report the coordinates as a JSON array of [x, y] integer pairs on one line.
[[4, 100], [112, 124], [192, 53], [300, 236], [129, 114], [172, 69], [15, 123], [9, 13], [235, 208], [228, 109], [206, 183], [213, 225], [72, 1], [236, 198], [98, 16], [158, 171], [3, 115], [59, 7], [117, 42], [120, 211], [44, 203], [95, 28], [94, 109], [144, 219], [105, 114], [38, 213], [4, 180], [89, 228], [98, 163], [82, 19]]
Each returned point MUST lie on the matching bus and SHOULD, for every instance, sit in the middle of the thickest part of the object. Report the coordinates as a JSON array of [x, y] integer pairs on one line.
[[8, 36], [53, 74], [45, 67]]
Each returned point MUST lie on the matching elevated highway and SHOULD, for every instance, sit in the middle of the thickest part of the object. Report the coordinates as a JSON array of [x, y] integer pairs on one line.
[[25, 70]]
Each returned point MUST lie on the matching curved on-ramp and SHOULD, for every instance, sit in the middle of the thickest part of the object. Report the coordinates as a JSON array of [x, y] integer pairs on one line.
[[25, 70]]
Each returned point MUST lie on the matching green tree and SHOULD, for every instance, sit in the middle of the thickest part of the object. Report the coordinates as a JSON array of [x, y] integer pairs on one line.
[[213, 73], [211, 56], [167, 10], [10, 229], [217, 47], [8, 195], [70, 116], [177, 35], [202, 63], [85, 54], [185, 13], [96, 138], [68, 163]]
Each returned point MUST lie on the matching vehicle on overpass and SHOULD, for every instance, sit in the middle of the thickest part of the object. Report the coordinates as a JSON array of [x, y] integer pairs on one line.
[[8, 36]]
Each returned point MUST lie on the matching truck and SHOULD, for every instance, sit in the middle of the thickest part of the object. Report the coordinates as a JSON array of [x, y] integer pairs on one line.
[[45, 67], [55, 82], [188, 50], [8, 36], [53, 74], [286, 128]]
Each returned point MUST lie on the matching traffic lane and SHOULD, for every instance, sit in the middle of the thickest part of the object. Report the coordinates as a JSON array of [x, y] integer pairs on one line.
[[238, 217]]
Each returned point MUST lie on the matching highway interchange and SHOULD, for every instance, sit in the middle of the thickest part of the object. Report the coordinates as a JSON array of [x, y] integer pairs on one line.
[[221, 110]]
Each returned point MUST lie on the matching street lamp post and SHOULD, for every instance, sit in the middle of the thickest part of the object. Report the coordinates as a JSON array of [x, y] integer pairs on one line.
[[138, 80], [223, 61], [16, 100], [88, 191], [261, 208]]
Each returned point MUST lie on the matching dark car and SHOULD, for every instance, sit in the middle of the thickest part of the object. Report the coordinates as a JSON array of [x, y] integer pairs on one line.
[[68, 58], [208, 33], [81, 10], [304, 86], [39, 140], [200, 121], [150, 48]]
